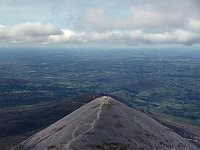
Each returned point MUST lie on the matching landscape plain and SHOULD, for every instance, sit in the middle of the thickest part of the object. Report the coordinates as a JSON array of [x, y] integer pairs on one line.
[[36, 82]]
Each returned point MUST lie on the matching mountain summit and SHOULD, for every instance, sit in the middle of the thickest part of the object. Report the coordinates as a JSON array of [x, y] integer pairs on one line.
[[106, 124]]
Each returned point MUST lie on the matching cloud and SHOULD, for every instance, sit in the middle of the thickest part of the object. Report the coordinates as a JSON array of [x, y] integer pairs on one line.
[[128, 22], [68, 36], [28, 32], [137, 37], [149, 15], [194, 25], [175, 37], [101, 20], [49, 34]]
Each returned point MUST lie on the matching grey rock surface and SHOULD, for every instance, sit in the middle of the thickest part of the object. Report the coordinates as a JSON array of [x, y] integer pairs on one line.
[[106, 124]]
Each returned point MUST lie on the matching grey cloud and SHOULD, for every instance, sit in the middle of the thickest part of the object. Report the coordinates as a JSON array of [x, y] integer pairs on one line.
[[34, 29], [48, 34], [131, 22], [33, 32], [100, 20], [136, 37], [148, 15]]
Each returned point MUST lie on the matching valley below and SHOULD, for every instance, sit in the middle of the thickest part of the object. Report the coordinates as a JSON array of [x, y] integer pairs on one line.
[[38, 88]]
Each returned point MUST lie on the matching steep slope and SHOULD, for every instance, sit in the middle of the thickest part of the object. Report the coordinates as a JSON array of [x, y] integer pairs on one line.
[[106, 123], [34, 117], [22, 122]]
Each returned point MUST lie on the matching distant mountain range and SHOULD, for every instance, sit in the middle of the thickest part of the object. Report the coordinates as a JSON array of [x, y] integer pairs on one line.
[[104, 124]]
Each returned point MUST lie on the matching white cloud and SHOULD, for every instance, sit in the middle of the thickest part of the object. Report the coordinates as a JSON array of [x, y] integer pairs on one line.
[[48, 34], [129, 22], [175, 37], [28, 32], [136, 37], [68, 36]]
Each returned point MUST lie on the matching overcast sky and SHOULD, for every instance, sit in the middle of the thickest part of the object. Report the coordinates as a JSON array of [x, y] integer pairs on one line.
[[100, 22]]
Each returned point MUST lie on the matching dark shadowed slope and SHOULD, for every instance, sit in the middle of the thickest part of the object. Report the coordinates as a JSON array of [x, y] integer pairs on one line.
[[106, 124]]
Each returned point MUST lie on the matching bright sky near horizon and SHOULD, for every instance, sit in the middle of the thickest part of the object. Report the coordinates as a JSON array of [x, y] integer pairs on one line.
[[100, 22]]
